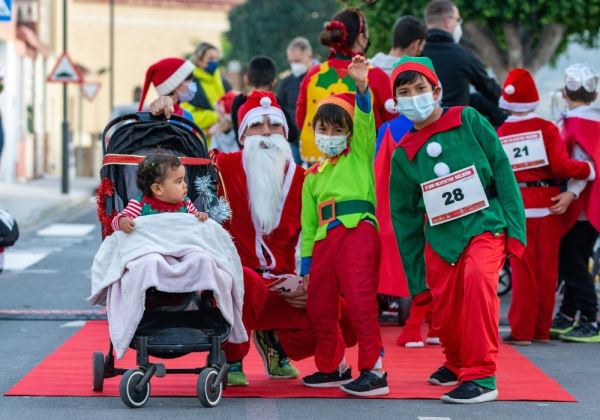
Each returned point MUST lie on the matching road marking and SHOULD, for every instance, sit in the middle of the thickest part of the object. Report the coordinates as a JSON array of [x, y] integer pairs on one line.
[[67, 229], [35, 271], [434, 418], [21, 260], [73, 324]]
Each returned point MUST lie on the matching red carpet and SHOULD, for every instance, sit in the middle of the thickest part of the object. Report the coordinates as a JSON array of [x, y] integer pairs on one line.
[[67, 372]]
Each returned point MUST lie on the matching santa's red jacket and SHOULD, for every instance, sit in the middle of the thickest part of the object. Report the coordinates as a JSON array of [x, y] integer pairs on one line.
[[276, 252]]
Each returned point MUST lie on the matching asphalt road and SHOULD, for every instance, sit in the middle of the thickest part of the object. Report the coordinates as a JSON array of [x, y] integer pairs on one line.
[[60, 280]]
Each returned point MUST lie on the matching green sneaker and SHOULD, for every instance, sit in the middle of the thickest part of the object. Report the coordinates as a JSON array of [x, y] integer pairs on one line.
[[235, 375], [561, 325], [583, 332], [277, 364]]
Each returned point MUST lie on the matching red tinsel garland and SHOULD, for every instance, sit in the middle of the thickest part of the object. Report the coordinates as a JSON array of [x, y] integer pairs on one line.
[[104, 190]]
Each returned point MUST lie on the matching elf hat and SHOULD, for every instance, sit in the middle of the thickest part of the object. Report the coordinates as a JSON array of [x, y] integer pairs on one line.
[[259, 104], [343, 100], [519, 93], [166, 75], [421, 65]]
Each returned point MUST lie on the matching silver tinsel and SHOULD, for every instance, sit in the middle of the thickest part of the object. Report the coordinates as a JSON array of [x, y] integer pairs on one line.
[[217, 207]]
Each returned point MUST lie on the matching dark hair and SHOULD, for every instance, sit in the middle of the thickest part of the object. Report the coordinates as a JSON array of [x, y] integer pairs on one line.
[[409, 77], [261, 71], [331, 114], [436, 10], [352, 19], [406, 30], [581, 95], [153, 170]]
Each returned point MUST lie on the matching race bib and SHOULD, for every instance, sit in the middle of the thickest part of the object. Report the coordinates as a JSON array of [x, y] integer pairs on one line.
[[454, 196], [525, 150]]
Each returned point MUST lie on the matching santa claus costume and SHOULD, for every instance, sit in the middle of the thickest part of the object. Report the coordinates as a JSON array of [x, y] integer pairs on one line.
[[453, 171], [539, 160]]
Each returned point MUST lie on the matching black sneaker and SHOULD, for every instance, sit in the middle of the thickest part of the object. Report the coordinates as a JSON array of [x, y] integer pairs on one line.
[[515, 341], [443, 377], [561, 325], [583, 332], [469, 392], [328, 380], [367, 384]]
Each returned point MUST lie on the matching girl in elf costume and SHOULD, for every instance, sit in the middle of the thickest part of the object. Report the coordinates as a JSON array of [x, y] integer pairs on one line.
[[340, 244], [539, 160], [451, 174], [161, 178]]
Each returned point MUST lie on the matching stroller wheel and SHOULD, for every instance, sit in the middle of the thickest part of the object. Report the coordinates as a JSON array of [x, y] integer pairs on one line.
[[209, 392], [129, 395], [97, 371]]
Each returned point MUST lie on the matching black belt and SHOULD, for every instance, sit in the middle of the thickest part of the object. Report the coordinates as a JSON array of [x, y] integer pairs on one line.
[[329, 210], [540, 183]]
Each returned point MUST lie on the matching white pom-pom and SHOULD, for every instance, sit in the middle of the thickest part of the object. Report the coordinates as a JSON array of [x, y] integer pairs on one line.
[[265, 102], [441, 169], [434, 149], [390, 106], [509, 90]]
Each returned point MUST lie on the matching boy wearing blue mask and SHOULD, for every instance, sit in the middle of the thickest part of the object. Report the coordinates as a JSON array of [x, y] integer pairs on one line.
[[457, 212]]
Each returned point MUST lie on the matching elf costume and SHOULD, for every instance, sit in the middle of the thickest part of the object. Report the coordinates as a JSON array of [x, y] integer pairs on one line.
[[145, 205], [340, 243], [539, 159], [464, 247]]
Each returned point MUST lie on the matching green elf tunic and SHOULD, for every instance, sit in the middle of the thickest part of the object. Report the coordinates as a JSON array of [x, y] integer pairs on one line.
[[463, 138], [345, 183]]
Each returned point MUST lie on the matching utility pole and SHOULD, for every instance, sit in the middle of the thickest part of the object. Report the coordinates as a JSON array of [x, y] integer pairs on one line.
[[65, 122], [111, 52]]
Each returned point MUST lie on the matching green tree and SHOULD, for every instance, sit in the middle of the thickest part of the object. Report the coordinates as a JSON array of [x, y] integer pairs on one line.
[[505, 33], [265, 27]]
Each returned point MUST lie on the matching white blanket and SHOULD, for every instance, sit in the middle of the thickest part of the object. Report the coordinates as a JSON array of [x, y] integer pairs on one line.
[[172, 252]]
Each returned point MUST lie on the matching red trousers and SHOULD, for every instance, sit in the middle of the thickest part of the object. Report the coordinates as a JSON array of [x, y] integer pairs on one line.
[[534, 278], [267, 310], [466, 306], [346, 262]]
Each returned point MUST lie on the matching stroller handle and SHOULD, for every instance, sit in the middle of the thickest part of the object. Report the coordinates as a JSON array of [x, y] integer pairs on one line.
[[149, 117]]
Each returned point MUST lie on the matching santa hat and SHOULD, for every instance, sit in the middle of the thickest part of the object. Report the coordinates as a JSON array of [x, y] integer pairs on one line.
[[421, 65], [519, 93], [226, 101], [343, 100], [259, 104], [166, 75]]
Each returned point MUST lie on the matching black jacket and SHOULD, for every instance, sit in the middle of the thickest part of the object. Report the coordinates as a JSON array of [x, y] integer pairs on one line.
[[457, 67]]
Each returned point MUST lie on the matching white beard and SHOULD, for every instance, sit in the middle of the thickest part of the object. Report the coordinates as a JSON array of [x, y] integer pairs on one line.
[[265, 172]]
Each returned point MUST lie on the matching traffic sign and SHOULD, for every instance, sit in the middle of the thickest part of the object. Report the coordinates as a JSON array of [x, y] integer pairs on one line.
[[90, 90], [65, 71], [6, 10]]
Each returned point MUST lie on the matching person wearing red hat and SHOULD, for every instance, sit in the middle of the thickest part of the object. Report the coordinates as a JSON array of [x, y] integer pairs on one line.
[[456, 211], [171, 77], [222, 133], [539, 160]]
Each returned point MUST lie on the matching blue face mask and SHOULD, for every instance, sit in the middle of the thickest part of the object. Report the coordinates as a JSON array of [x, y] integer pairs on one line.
[[189, 93], [212, 66]]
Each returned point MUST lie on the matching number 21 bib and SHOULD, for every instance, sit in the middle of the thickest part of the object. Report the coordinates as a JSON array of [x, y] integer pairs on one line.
[[454, 196], [525, 150]]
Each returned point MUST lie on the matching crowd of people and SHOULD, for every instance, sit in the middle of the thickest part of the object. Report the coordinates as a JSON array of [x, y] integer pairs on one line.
[[393, 176]]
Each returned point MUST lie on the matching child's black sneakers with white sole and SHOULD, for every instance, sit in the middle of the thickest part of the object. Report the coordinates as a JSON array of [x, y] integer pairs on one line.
[[443, 377], [328, 380], [469, 392], [368, 384]]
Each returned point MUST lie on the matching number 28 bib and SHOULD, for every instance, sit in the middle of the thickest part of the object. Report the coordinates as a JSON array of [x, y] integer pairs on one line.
[[525, 150], [454, 196]]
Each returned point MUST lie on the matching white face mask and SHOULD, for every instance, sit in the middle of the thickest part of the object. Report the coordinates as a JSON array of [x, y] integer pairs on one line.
[[298, 69], [416, 108], [457, 33], [189, 93], [331, 145]]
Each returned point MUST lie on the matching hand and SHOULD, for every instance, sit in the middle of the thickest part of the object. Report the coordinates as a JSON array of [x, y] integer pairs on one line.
[[162, 105], [296, 298], [126, 224], [203, 217], [359, 71], [563, 201], [305, 281]]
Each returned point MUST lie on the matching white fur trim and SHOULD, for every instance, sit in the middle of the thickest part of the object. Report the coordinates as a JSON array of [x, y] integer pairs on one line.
[[176, 78], [434, 149], [441, 169], [509, 90], [517, 107], [262, 111]]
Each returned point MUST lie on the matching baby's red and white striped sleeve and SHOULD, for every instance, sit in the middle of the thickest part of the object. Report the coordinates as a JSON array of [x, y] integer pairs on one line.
[[133, 210], [191, 209]]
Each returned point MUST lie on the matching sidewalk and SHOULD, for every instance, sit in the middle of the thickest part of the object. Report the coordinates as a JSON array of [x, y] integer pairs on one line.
[[40, 200]]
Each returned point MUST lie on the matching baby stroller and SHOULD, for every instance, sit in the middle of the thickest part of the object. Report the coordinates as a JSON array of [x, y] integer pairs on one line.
[[166, 330]]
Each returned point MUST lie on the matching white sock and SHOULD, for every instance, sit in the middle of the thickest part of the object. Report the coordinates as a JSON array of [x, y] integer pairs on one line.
[[378, 373], [343, 366]]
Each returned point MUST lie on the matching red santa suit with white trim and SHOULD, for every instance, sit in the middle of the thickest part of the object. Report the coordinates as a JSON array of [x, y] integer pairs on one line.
[[540, 161]]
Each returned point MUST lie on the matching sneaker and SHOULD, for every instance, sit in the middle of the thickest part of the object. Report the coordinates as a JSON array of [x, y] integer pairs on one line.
[[583, 332], [515, 341], [469, 392], [410, 337], [443, 377], [433, 341], [561, 325], [235, 375], [368, 384], [277, 364], [328, 380]]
